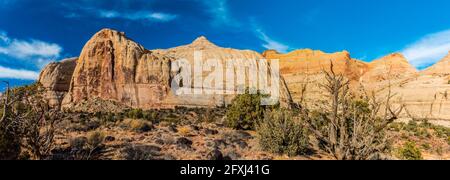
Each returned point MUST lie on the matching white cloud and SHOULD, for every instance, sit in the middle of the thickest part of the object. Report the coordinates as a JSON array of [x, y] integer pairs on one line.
[[22, 49], [18, 74], [26, 49], [163, 16], [269, 43], [429, 49], [31, 53]]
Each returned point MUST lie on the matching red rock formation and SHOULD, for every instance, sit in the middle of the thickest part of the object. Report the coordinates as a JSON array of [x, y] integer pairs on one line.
[[113, 67]]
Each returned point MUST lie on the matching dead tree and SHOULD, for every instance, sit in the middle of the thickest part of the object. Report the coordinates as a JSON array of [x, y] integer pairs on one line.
[[353, 129], [27, 114], [6, 103]]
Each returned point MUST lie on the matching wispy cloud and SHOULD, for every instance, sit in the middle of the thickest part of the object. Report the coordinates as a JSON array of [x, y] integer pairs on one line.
[[140, 15], [220, 11], [18, 74], [4, 37], [429, 49], [86, 9], [269, 43]]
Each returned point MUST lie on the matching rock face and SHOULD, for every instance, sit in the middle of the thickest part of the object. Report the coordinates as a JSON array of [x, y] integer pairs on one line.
[[440, 68], [423, 97], [395, 65], [393, 68], [315, 62], [209, 51], [426, 94], [306, 67], [423, 94], [55, 78], [111, 67]]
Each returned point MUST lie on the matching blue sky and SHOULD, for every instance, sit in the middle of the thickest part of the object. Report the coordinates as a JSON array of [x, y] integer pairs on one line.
[[34, 33]]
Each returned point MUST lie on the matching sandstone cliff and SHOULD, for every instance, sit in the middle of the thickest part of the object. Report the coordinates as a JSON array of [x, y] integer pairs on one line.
[[423, 94], [55, 78], [426, 94], [220, 55], [306, 67], [393, 69], [113, 68]]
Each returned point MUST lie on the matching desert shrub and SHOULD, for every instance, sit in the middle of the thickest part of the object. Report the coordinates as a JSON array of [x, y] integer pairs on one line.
[[426, 146], [95, 139], [244, 111], [441, 131], [77, 143], [184, 131], [412, 126], [109, 117], [397, 127], [135, 114], [208, 116], [140, 152], [409, 151], [137, 125], [94, 144], [280, 133], [9, 145], [151, 116]]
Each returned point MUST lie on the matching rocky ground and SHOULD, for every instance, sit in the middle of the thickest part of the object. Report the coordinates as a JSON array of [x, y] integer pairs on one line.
[[132, 139], [165, 141]]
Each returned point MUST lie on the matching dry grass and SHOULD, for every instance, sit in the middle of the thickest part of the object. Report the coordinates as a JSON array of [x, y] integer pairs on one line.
[[184, 131]]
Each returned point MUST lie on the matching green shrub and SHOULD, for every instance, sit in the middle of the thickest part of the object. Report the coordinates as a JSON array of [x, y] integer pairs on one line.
[[244, 111], [397, 127], [412, 126], [135, 114], [137, 125], [426, 146], [441, 131], [280, 133], [409, 151]]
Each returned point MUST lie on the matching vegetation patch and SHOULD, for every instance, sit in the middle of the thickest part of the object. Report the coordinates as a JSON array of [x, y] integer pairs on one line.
[[410, 151], [245, 111], [279, 132]]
